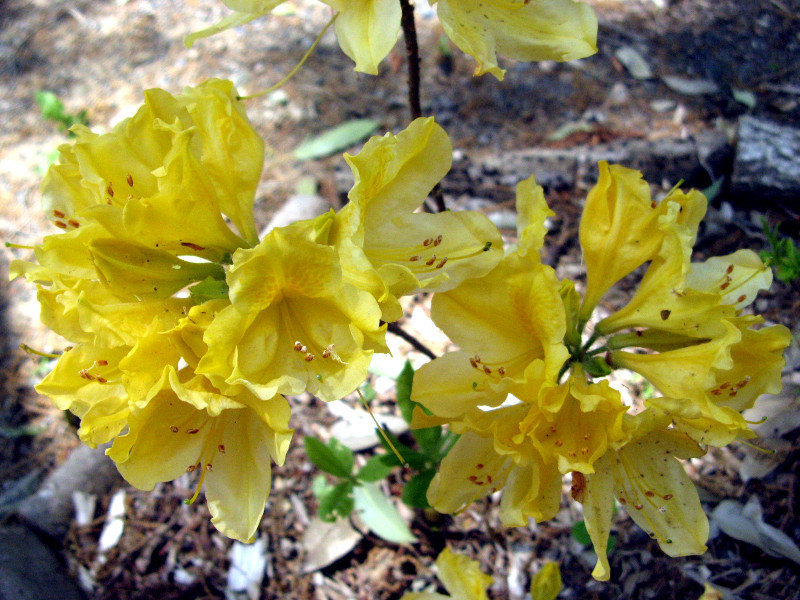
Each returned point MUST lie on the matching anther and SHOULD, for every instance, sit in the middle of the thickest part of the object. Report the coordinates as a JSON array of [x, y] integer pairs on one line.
[[74, 223], [741, 298], [209, 467], [192, 431], [559, 443], [221, 449], [427, 242], [327, 352], [668, 497], [501, 370], [191, 468], [101, 379], [638, 506], [102, 363], [437, 241], [653, 204], [442, 263], [173, 429], [584, 450], [58, 214], [725, 285], [649, 493], [479, 466], [729, 270], [60, 224], [474, 363], [110, 189], [129, 179], [487, 370], [431, 260], [622, 500], [415, 258], [298, 347], [308, 357]]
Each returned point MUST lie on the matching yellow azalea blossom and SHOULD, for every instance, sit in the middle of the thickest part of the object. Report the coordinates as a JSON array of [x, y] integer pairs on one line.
[[167, 176], [231, 449], [293, 324], [382, 238], [461, 577], [524, 30], [646, 477], [526, 447]]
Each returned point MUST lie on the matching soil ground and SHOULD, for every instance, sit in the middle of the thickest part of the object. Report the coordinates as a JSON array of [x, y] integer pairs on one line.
[[100, 55]]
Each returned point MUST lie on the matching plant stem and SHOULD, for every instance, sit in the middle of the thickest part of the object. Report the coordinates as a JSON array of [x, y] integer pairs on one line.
[[419, 346], [414, 105], [412, 49]]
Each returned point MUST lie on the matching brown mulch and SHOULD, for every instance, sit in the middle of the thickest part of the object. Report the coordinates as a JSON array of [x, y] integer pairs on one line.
[[100, 55]]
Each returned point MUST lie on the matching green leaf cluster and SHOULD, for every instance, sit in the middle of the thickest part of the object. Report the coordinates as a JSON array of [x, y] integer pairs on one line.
[[782, 254], [360, 490], [53, 110]]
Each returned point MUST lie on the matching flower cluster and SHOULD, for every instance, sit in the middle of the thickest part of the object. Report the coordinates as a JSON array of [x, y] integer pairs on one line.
[[367, 30], [527, 393], [187, 329]]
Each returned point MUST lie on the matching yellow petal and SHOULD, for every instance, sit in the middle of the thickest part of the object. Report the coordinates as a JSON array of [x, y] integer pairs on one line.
[[657, 493], [598, 509], [737, 277], [366, 30], [541, 30], [618, 231], [532, 491], [532, 212], [471, 470], [462, 577], [546, 584]]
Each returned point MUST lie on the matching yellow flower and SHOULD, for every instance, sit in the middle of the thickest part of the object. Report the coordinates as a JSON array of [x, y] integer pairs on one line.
[[367, 30], [382, 239], [166, 177], [645, 477], [293, 323], [177, 431], [461, 577], [557, 30]]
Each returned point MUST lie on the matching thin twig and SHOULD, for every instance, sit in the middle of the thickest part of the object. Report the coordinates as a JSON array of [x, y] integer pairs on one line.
[[412, 49], [414, 105], [415, 343]]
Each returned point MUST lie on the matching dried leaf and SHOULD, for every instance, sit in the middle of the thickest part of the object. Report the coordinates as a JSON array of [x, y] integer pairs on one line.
[[745, 523], [325, 543]]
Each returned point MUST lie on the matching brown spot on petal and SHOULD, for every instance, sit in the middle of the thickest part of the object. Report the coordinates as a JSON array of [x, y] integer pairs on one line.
[[665, 314]]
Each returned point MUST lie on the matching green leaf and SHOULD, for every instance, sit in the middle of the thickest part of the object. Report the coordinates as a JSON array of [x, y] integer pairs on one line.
[[52, 108], [415, 492], [377, 468], [413, 458], [209, 289], [403, 386], [335, 140], [580, 534], [334, 458], [380, 514], [336, 502]]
